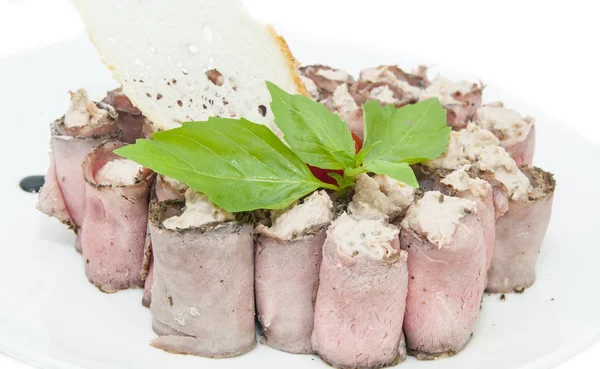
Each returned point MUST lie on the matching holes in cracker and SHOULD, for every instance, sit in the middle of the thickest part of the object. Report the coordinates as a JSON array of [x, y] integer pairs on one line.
[[215, 77], [207, 33]]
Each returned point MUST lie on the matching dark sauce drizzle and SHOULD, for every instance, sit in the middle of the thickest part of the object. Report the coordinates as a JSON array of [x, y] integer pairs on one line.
[[32, 184]]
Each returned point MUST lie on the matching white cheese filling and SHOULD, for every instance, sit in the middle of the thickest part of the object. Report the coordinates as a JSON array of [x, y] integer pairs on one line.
[[364, 236], [316, 210], [119, 172], [477, 146], [383, 94], [461, 181], [83, 112], [507, 124], [444, 89], [379, 197], [436, 216], [175, 184], [343, 102], [383, 74], [334, 75], [198, 211]]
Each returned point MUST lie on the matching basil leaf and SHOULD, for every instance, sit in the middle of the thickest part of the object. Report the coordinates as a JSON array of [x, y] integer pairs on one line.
[[398, 171], [317, 136], [410, 134], [239, 165]]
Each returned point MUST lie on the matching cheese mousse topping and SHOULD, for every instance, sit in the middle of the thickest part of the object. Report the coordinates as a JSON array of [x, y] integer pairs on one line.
[[383, 74], [379, 197], [343, 101], [198, 211], [383, 94], [444, 89], [364, 236], [436, 216], [119, 172], [175, 184], [83, 112], [461, 181], [507, 124], [479, 147], [334, 74], [316, 210]]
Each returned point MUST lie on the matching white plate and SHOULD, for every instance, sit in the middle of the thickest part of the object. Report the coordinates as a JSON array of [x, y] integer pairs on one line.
[[52, 317]]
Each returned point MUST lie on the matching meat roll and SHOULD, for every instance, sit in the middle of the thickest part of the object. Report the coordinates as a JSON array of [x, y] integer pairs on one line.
[[288, 258], [165, 189], [446, 266], [321, 81], [203, 291], [116, 213], [461, 100], [361, 297], [131, 122], [520, 233], [380, 197], [410, 85], [463, 183], [516, 133], [84, 126]]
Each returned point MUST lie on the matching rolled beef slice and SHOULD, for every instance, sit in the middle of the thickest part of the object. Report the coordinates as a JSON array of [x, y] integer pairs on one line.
[[446, 266], [515, 132], [519, 235], [287, 261], [321, 81], [390, 85], [480, 148], [84, 126], [467, 186], [203, 290], [464, 183], [461, 99], [115, 222], [361, 297], [164, 189], [131, 122], [380, 197]]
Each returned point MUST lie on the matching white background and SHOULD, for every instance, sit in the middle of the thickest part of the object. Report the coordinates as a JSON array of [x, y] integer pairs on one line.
[[544, 52]]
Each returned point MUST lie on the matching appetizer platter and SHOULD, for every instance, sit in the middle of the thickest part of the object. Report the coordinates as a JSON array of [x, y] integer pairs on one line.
[[225, 205]]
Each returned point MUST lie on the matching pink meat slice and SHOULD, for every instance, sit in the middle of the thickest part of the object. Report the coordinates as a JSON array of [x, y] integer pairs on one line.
[[287, 274], [355, 122], [131, 122], [523, 152], [114, 227], [459, 115], [430, 180], [69, 154], [51, 200], [519, 236], [148, 276], [359, 308], [162, 191], [325, 86], [487, 217], [203, 292], [64, 181], [445, 287]]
